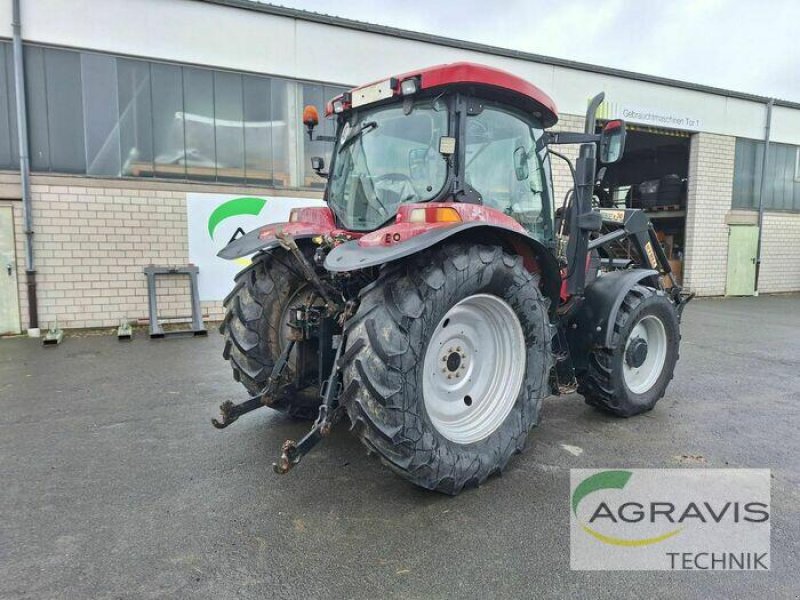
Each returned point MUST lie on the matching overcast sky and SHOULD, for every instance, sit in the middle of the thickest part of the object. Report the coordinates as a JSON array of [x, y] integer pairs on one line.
[[740, 45]]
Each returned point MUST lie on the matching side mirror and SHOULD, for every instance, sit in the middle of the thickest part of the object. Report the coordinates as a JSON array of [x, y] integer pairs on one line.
[[612, 142], [318, 164], [310, 119], [521, 164]]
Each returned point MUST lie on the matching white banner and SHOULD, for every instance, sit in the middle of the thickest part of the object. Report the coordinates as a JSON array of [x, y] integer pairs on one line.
[[670, 519], [212, 221], [669, 119]]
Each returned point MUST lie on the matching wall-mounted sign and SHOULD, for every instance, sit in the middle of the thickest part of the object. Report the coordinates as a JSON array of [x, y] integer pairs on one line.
[[212, 221], [669, 119]]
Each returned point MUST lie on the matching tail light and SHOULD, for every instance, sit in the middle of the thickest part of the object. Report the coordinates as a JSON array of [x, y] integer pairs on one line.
[[432, 214]]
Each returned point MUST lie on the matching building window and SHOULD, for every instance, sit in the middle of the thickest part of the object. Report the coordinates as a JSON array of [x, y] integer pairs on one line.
[[8, 125], [257, 104], [169, 148], [797, 164], [199, 145], [135, 118], [782, 184], [36, 96], [229, 126], [109, 116], [101, 114], [282, 117], [55, 110]]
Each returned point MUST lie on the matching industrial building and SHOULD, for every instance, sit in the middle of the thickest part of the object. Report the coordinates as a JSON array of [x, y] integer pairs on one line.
[[144, 117]]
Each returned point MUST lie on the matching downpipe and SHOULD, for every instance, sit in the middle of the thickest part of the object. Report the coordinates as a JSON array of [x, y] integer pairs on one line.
[[24, 164], [762, 185]]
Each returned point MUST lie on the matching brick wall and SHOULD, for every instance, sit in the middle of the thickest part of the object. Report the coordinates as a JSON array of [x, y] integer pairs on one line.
[[94, 237], [91, 244], [711, 160], [780, 253]]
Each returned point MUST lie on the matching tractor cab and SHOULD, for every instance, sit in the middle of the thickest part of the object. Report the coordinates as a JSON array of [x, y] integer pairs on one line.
[[451, 133]]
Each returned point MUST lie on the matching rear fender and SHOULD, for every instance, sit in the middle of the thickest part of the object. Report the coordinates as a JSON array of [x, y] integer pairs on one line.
[[593, 323], [303, 223], [401, 240]]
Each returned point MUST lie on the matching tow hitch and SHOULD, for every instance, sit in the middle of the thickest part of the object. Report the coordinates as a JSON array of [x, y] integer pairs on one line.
[[307, 323], [329, 412], [230, 412]]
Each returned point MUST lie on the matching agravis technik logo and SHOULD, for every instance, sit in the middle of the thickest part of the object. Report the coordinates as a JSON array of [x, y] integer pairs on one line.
[[670, 519]]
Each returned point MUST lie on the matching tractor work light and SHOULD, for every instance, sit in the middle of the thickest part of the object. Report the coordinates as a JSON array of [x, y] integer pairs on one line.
[[433, 214], [409, 86], [338, 106]]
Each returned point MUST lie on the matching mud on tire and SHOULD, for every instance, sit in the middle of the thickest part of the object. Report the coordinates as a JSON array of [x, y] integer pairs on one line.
[[383, 363], [253, 325], [603, 384]]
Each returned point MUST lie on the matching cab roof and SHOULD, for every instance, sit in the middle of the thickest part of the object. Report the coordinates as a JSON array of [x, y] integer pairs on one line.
[[495, 83]]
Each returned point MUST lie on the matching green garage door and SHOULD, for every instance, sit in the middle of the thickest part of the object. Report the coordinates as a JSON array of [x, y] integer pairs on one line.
[[742, 247]]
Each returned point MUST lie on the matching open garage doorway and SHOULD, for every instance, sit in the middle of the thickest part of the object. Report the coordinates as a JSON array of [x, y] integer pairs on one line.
[[653, 176]]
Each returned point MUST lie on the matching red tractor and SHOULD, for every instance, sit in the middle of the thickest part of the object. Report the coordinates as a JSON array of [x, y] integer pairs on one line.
[[439, 297]]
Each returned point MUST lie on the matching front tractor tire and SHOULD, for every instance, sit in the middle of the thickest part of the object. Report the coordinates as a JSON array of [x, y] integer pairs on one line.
[[630, 378], [447, 362], [254, 329]]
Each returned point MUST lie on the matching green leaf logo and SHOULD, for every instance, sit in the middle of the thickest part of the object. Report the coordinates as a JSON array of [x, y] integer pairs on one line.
[[599, 481], [234, 208], [611, 480]]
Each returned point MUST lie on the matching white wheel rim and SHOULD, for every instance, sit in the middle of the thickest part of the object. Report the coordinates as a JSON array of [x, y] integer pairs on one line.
[[641, 378], [474, 367]]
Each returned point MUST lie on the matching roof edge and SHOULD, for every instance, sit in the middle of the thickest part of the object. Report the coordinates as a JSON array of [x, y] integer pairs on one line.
[[304, 15]]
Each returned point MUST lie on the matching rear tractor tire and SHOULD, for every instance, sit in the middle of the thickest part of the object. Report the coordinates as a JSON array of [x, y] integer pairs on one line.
[[447, 362], [254, 328], [630, 379]]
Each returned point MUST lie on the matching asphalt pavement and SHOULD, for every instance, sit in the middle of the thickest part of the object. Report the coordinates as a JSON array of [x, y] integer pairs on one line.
[[115, 485]]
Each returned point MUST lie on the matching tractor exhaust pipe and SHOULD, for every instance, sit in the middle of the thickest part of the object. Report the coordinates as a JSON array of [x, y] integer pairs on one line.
[[578, 247], [591, 113]]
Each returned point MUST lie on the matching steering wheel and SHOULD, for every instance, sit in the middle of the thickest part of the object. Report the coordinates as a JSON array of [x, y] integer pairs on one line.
[[390, 194], [393, 177]]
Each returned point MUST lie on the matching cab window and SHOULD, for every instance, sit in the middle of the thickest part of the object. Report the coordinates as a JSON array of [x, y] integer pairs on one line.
[[503, 166]]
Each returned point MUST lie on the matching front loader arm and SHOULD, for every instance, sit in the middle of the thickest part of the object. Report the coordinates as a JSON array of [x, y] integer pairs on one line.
[[634, 225]]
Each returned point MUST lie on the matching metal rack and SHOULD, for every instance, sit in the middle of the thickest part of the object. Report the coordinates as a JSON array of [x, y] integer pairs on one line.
[[156, 331]]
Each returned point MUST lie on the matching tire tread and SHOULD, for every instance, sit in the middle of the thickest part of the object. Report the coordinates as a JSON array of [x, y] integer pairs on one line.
[[379, 375], [597, 385], [251, 336]]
